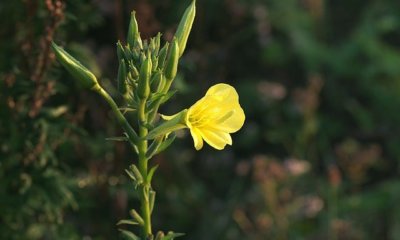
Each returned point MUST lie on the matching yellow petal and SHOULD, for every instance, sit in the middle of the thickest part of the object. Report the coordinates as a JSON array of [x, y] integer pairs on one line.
[[224, 92], [216, 139], [214, 116], [197, 139], [234, 122]]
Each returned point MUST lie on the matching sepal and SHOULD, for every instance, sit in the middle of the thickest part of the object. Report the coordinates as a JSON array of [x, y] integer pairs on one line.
[[175, 123]]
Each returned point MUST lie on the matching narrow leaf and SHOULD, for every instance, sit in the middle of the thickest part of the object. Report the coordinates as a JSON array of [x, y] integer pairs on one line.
[[128, 235], [172, 235], [151, 173], [118, 139], [131, 175], [126, 221], [136, 217], [152, 199], [153, 147], [166, 143]]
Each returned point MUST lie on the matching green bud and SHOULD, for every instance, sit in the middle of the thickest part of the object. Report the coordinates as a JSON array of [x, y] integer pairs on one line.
[[171, 66], [142, 57], [157, 82], [122, 75], [120, 51], [133, 37], [184, 27], [154, 60], [144, 79], [162, 55], [157, 41], [133, 70], [75, 68], [145, 44], [152, 45], [136, 173], [160, 236], [131, 54]]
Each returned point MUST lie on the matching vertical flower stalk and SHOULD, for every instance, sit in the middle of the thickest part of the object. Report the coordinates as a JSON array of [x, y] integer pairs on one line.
[[145, 75]]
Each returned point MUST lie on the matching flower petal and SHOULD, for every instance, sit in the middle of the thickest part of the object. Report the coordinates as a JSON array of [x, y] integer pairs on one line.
[[234, 122], [224, 91], [216, 139], [197, 139], [214, 116]]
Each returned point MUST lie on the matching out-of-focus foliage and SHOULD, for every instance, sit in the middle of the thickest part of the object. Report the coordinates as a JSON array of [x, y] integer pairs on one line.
[[38, 125], [318, 157]]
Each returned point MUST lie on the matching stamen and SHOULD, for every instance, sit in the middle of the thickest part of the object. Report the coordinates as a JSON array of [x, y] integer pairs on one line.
[[226, 116]]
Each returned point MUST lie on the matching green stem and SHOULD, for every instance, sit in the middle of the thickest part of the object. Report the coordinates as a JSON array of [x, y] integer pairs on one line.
[[142, 144], [143, 166], [154, 112], [133, 137]]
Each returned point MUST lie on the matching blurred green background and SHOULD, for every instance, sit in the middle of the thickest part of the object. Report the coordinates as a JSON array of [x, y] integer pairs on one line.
[[317, 158]]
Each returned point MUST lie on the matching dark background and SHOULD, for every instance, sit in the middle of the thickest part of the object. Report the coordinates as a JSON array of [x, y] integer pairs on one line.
[[317, 158]]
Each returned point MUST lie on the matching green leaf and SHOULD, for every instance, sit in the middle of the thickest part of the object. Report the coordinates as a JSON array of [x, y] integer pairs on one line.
[[154, 100], [135, 215], [152, 199], [165, 144], [172, 235], [152, 150], [118, 139], [129, 235], [126, 221], [168, 96], [127, 109], [131, 175], [151, 173]]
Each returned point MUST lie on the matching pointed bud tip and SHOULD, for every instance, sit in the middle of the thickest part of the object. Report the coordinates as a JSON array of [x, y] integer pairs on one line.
[[75, 68]]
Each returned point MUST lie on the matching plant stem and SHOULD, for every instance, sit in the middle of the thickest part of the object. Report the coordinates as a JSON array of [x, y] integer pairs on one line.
[[165, 90], [141, 143], [133, 137], [143, 162]]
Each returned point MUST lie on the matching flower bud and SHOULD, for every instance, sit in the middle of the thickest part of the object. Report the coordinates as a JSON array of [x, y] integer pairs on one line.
[[75, 68], [133, 70], [171, 66], [157, 82], [133, 32], [120, 51], [160, 235], [122, 75], [162, 55], [184, 27], [144, 79]]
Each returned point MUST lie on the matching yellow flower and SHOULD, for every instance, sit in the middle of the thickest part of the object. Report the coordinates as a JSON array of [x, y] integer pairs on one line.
[[215, 116]]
